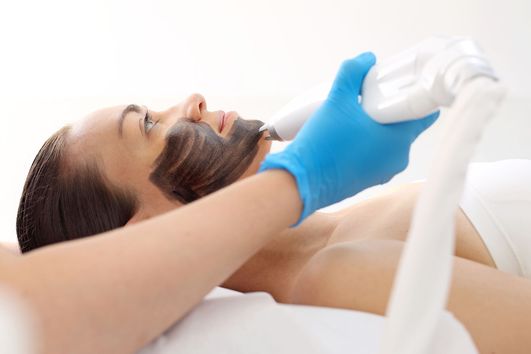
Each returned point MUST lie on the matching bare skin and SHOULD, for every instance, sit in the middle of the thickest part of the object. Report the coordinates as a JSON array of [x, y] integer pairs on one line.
[[384, 217], [493, 306], [388, 216]]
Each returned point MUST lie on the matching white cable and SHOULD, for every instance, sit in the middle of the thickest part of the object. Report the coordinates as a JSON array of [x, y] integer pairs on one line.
[[420, 292]]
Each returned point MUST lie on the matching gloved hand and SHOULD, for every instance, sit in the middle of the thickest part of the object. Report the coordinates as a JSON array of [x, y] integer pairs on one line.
[[340, 150]]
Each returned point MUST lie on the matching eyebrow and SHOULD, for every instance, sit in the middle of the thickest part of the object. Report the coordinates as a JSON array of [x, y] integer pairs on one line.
[[130, 108]]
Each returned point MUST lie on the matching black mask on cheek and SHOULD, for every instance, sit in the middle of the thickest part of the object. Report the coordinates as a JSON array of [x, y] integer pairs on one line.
[[196, 161]]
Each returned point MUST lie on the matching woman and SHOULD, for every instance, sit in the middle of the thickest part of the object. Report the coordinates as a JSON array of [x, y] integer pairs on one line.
[[110, 145], [128, 163], [117, 292]]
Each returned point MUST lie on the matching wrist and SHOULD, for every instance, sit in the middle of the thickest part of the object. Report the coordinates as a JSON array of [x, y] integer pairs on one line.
[[299, 177]]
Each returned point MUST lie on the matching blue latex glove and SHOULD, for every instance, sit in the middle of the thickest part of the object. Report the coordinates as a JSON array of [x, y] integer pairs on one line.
[[340, 150]]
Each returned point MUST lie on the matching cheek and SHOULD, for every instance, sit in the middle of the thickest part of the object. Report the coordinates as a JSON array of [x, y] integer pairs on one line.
[[127, 174], [129, 168], [142, 160]]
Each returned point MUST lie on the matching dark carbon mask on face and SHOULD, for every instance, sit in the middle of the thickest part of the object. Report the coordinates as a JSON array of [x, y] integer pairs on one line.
[[196, 161]]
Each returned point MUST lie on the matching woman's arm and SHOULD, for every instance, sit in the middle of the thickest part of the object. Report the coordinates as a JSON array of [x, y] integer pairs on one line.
[[90, 299], [493, 306]]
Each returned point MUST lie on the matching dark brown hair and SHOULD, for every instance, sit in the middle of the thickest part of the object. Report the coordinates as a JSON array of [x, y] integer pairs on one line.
[[64, 200]]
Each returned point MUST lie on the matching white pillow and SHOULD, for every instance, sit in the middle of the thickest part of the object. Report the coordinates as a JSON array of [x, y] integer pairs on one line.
[[229, 322]]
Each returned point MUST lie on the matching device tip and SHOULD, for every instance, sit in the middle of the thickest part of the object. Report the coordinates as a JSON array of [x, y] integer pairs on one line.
[[262, 128]]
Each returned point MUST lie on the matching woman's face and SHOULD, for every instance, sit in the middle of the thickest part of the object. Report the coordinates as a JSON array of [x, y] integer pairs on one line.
[[171, 157]]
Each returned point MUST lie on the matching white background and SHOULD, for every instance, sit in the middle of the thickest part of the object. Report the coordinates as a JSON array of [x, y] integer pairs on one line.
[[59, 60]]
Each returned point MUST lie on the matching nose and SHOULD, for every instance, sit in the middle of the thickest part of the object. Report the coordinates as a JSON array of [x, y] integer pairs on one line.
[[194, 106]]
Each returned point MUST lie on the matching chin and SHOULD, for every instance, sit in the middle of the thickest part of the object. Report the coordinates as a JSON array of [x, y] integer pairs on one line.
[[264, 146]]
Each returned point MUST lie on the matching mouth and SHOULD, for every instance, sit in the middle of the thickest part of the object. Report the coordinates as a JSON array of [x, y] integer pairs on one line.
[[221, 120], [225, 119]]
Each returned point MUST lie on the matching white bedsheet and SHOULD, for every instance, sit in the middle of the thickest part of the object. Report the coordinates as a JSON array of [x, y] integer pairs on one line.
[[231, 322]]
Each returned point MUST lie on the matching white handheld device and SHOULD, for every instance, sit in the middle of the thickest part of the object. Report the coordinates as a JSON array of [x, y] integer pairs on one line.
[[407, 86]]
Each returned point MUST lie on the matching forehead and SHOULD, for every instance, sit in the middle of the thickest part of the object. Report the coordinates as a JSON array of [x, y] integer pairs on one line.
[[102, 121], [96, 134]]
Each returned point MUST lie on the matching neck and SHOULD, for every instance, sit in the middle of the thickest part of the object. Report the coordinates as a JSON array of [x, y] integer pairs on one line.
[[275, 268]]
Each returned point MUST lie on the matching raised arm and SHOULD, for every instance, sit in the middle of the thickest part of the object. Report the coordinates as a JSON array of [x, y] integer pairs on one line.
[[122, 289]]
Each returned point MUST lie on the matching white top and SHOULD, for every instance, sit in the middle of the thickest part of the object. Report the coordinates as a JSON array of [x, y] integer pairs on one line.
[[497, 200]]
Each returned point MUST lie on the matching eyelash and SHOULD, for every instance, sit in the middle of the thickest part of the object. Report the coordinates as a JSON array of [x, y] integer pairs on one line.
[[148, 120]]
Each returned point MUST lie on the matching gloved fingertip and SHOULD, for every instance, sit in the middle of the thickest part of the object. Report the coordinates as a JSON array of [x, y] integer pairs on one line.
[[369, 56], [431, 119], [435, 115], [366, 59], [351, 74], [427, 122]]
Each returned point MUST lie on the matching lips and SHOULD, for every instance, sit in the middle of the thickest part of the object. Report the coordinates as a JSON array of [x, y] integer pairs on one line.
[[221, 120], [225, 119]]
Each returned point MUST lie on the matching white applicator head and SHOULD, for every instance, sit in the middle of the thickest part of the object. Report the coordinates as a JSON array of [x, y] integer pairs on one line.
[[395, 89]]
